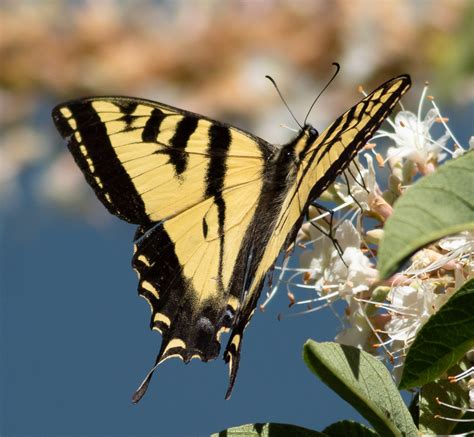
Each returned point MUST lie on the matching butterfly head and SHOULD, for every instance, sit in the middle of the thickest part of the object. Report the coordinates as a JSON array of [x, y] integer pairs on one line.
[[310, 132], [302, 143], [290, 155]]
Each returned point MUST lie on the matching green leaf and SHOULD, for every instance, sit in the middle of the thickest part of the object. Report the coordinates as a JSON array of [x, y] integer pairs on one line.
[[448, 393], [268, 430], [437, 205], [442, 341], [364, 382], [348, 428]]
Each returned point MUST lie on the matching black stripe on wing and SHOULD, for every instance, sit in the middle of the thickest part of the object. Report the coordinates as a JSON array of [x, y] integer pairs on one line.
[[87, 139], [360, 139], [177, 153]]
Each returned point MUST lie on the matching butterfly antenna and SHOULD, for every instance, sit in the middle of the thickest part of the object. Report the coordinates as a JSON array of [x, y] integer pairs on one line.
[[283, 100], [338, 67]]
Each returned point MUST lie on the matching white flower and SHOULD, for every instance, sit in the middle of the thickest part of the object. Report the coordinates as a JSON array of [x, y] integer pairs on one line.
[[326, 268], [413, 139], [411, 306], [459, 241], [459, 254], [362, 187], [355, 334], [357, 329]]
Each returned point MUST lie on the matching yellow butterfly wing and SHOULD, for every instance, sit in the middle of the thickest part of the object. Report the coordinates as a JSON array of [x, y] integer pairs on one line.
[[215, 204], [193, 185]]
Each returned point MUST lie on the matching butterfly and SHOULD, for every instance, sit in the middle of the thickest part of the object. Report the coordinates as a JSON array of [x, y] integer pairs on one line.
[[214, 205]]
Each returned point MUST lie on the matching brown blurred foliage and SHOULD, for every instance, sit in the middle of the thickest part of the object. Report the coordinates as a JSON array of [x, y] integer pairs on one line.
[[211, 57]]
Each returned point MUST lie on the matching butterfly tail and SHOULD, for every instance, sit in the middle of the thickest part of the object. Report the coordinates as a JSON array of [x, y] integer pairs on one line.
[[232, 358], [141, 390], [234, 345]]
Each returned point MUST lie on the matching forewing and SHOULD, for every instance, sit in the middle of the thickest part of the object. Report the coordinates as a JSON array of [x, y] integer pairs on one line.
[[335, 148], [321, 162], [147, 161]]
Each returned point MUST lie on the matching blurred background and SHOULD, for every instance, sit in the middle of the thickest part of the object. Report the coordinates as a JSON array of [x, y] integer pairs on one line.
[[75, 341]]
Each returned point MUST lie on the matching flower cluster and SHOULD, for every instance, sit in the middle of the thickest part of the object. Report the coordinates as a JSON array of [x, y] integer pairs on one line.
[[380, 317]]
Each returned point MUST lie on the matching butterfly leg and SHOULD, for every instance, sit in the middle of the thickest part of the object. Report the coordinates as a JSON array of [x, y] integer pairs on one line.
[[349, 189], [330, 233], [362, 182]]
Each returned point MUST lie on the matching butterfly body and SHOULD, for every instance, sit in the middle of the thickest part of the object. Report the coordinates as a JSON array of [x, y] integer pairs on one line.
[[215, 205]]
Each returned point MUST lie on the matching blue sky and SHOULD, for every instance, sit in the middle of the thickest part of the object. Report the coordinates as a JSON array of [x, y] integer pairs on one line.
[[78, 344]]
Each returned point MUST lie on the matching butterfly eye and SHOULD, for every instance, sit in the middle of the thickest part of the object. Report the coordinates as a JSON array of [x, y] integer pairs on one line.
[[313, 132]]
